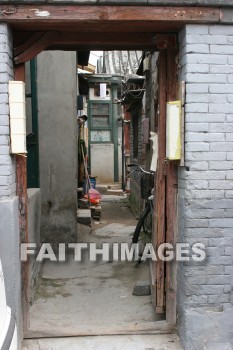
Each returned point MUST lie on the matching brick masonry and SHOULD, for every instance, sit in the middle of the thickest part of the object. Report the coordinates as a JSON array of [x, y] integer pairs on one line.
[[7, 162], [9, 219], [205, 184]]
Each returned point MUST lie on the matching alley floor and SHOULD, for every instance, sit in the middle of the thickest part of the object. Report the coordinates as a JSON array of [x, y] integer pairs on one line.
[[126, 342], [95, 298]]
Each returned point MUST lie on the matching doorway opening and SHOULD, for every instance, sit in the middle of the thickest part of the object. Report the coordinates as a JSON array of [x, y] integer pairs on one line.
[[100, 297], [124, 296], [164, 218]]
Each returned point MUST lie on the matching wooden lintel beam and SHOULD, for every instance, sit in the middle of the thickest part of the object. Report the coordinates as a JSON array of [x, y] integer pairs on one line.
[[93, 14], [94, 47], [113, 41], [108, 41], [106, 38], [27, 44], [39, 45], [165, 41]]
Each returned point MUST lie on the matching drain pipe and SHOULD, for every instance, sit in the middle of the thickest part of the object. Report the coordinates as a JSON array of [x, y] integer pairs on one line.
[[123, 123], [123, 156]]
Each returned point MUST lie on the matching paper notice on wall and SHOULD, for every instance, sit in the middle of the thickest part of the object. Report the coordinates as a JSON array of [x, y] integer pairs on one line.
[[154, 160], [173, 130], [103, 88]]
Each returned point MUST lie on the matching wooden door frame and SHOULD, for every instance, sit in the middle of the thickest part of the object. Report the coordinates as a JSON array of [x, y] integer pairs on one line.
[[166, 192], [141, 23], [165, 219], [21, 192], [171, 196]]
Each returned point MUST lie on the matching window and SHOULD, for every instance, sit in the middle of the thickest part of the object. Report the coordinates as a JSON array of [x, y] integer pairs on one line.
[[100, 114], [100, 122], [101, 135]]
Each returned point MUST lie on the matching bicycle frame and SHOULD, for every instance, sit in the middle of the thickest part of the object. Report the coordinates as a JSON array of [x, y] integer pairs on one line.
[[149, 206]]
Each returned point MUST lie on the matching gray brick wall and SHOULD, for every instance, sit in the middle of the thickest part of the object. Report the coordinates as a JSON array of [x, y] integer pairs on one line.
[[205, 184], [9, 219], [7, 163]]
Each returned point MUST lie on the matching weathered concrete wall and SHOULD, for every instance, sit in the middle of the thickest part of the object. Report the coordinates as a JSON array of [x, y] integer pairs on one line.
[[9, 223], [102, 162], [206, 187], [9, 254], [34, 217], [57, 92]]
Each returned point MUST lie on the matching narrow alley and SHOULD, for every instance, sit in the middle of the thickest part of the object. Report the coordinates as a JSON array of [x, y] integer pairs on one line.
[[90, 90], [95, 298], [73, 297]]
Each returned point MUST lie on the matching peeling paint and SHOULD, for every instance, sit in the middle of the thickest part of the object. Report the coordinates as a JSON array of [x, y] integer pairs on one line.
[[40, 13]]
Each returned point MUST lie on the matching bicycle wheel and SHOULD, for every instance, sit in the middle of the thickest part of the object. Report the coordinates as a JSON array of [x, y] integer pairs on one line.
[[147, 224], [140, 224]]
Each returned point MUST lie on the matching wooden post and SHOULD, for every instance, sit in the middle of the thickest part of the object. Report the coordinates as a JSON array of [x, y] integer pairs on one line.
[[20, 72], [159, 227], [21, 191], [166, 191], [171, 198]]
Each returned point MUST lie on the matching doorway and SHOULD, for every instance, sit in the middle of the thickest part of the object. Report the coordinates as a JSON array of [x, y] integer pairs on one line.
[[72, 307], [145, 39]]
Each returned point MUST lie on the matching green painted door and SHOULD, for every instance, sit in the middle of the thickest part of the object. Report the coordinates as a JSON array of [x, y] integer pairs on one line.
[[33, 178]]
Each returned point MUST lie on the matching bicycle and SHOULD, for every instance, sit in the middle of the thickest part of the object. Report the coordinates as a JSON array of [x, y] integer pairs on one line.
[[147, 192]]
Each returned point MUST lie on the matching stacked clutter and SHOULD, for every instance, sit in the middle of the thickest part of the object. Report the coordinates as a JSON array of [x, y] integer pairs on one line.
[[91, 197]]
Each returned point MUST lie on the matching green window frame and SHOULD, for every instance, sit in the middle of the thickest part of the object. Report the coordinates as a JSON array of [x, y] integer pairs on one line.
[[33, 167], [105, 112]]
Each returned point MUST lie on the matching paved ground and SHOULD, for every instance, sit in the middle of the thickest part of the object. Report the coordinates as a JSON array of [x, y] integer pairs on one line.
[[136, 342], [95, 298]]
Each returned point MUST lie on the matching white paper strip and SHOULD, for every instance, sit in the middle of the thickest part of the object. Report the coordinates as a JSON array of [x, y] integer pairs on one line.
[[103, 88], [154, 139]]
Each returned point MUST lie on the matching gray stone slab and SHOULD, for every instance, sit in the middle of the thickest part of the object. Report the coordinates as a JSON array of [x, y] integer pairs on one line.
[[219, 346], [126, 342], [84, 216], [115, 192], [142, 288], [102, 189]]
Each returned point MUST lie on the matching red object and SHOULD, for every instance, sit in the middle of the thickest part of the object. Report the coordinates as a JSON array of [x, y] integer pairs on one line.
[[94, 196]]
